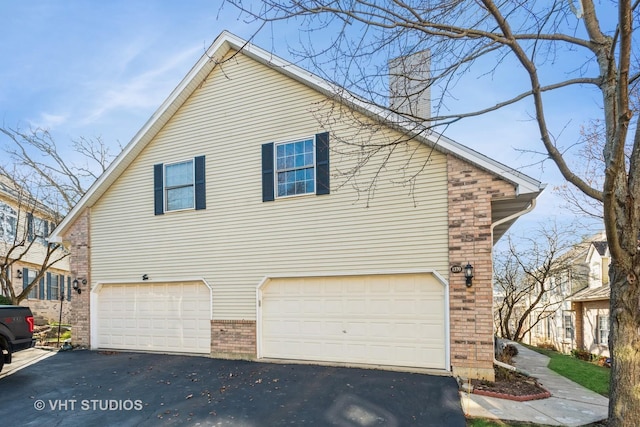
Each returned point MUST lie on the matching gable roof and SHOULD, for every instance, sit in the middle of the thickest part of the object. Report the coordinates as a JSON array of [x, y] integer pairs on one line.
[[527, 188], [601, 247]]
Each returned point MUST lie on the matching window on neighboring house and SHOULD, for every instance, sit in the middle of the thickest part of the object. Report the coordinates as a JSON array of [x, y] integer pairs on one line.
[[568, 326], [179, 186], [53, 286], [295, 168], [38, 229], [603, 330], [28, 276], [8, 222]]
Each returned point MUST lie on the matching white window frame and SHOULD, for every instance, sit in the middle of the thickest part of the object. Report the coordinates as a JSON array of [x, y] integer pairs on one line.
[[166, 189], [40, 232], [603, 339], [277, 171], [31, 275], [10, 216], [568, 317]]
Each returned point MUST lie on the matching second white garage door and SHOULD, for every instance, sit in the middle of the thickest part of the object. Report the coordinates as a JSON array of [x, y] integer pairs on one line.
[[394, 320], [159, 317]]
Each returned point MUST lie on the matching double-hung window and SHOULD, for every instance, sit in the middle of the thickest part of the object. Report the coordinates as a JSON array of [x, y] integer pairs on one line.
[[179, 186], [568, 326], [603, 329], [296, 167], [8, 222]]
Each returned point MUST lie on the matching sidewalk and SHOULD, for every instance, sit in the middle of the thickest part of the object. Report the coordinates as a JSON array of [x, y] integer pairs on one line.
[[24, 358], [569, 405]]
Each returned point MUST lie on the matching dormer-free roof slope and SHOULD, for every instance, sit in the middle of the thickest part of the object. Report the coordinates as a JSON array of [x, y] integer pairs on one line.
[[527, 188]]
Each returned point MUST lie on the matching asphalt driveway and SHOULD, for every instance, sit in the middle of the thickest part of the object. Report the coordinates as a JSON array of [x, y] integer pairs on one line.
[[129, 389]]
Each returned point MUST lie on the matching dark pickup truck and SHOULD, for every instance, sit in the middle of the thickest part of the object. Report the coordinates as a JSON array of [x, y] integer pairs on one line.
[[16, 331]]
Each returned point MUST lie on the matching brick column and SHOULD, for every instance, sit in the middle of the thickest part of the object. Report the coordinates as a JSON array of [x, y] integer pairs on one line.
[[577, 308], [77, 241], [471, 191], [233, 339]]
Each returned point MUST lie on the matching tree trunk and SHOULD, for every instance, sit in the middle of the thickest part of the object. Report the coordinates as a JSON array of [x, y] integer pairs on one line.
[[624, 342]]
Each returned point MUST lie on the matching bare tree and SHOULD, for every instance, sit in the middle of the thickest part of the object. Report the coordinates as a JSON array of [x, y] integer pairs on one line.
[[39, 184], [59, 179], [467, 35], [534, 275]]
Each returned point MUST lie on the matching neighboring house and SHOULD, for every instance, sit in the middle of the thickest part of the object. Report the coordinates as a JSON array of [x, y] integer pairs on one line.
[[583, 275], [553, 320], [23, 219], [591, 305], [236, 224]]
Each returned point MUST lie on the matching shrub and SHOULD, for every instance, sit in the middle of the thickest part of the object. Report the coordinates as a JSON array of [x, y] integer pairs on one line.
[[581, 354], [5, 300], [510, 350], [507, 353]]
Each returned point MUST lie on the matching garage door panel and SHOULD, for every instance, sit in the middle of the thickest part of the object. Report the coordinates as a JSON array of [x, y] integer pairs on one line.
[[396, 320], [154, 317]]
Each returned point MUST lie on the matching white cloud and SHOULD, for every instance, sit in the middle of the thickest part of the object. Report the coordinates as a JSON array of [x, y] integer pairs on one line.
[[141, 89], [50, 121]]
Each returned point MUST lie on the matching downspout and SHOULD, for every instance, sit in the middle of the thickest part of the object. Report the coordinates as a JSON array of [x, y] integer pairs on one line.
[[495, 224]]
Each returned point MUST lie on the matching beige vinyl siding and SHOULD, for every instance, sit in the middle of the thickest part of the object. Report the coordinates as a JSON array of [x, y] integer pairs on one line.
[[238, 239]]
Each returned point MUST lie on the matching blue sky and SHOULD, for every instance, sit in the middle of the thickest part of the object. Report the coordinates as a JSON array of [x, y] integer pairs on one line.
[[101, 68]]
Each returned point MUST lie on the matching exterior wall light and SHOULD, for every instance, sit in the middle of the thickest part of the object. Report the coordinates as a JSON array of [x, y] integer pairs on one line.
[[76, 285], [468, 275]]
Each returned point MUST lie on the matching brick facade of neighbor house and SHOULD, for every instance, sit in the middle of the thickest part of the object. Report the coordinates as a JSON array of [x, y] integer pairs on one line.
[[471, 191], [78, 242], [233, 339]]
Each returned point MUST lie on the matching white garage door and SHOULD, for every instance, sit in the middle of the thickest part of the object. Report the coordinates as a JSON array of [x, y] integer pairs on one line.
[[162, 317], [395, 320]]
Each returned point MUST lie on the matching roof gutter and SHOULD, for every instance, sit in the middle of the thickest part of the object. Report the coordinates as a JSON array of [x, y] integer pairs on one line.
[[528, 209]]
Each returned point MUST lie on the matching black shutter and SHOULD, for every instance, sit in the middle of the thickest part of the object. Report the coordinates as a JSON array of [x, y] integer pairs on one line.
[[200, 187], [158, 188], [41, 286], [322, 164], [49, 286], [25, 278], [68, 288], [267, 172], [46, 230], [30, 227]]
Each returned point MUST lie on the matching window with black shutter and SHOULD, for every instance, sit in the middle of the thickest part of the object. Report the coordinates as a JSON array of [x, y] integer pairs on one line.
[[179, 186], [294, 168]]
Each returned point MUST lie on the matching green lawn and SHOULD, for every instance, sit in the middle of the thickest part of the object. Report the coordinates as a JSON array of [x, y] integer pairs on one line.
[[588, 375]]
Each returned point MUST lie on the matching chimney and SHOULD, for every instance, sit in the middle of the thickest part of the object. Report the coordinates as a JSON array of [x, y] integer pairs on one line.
[[409, 85]]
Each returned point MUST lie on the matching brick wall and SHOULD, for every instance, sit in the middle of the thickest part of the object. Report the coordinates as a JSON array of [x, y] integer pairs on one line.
[[78, 242], [471, 191], [233, 339]]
